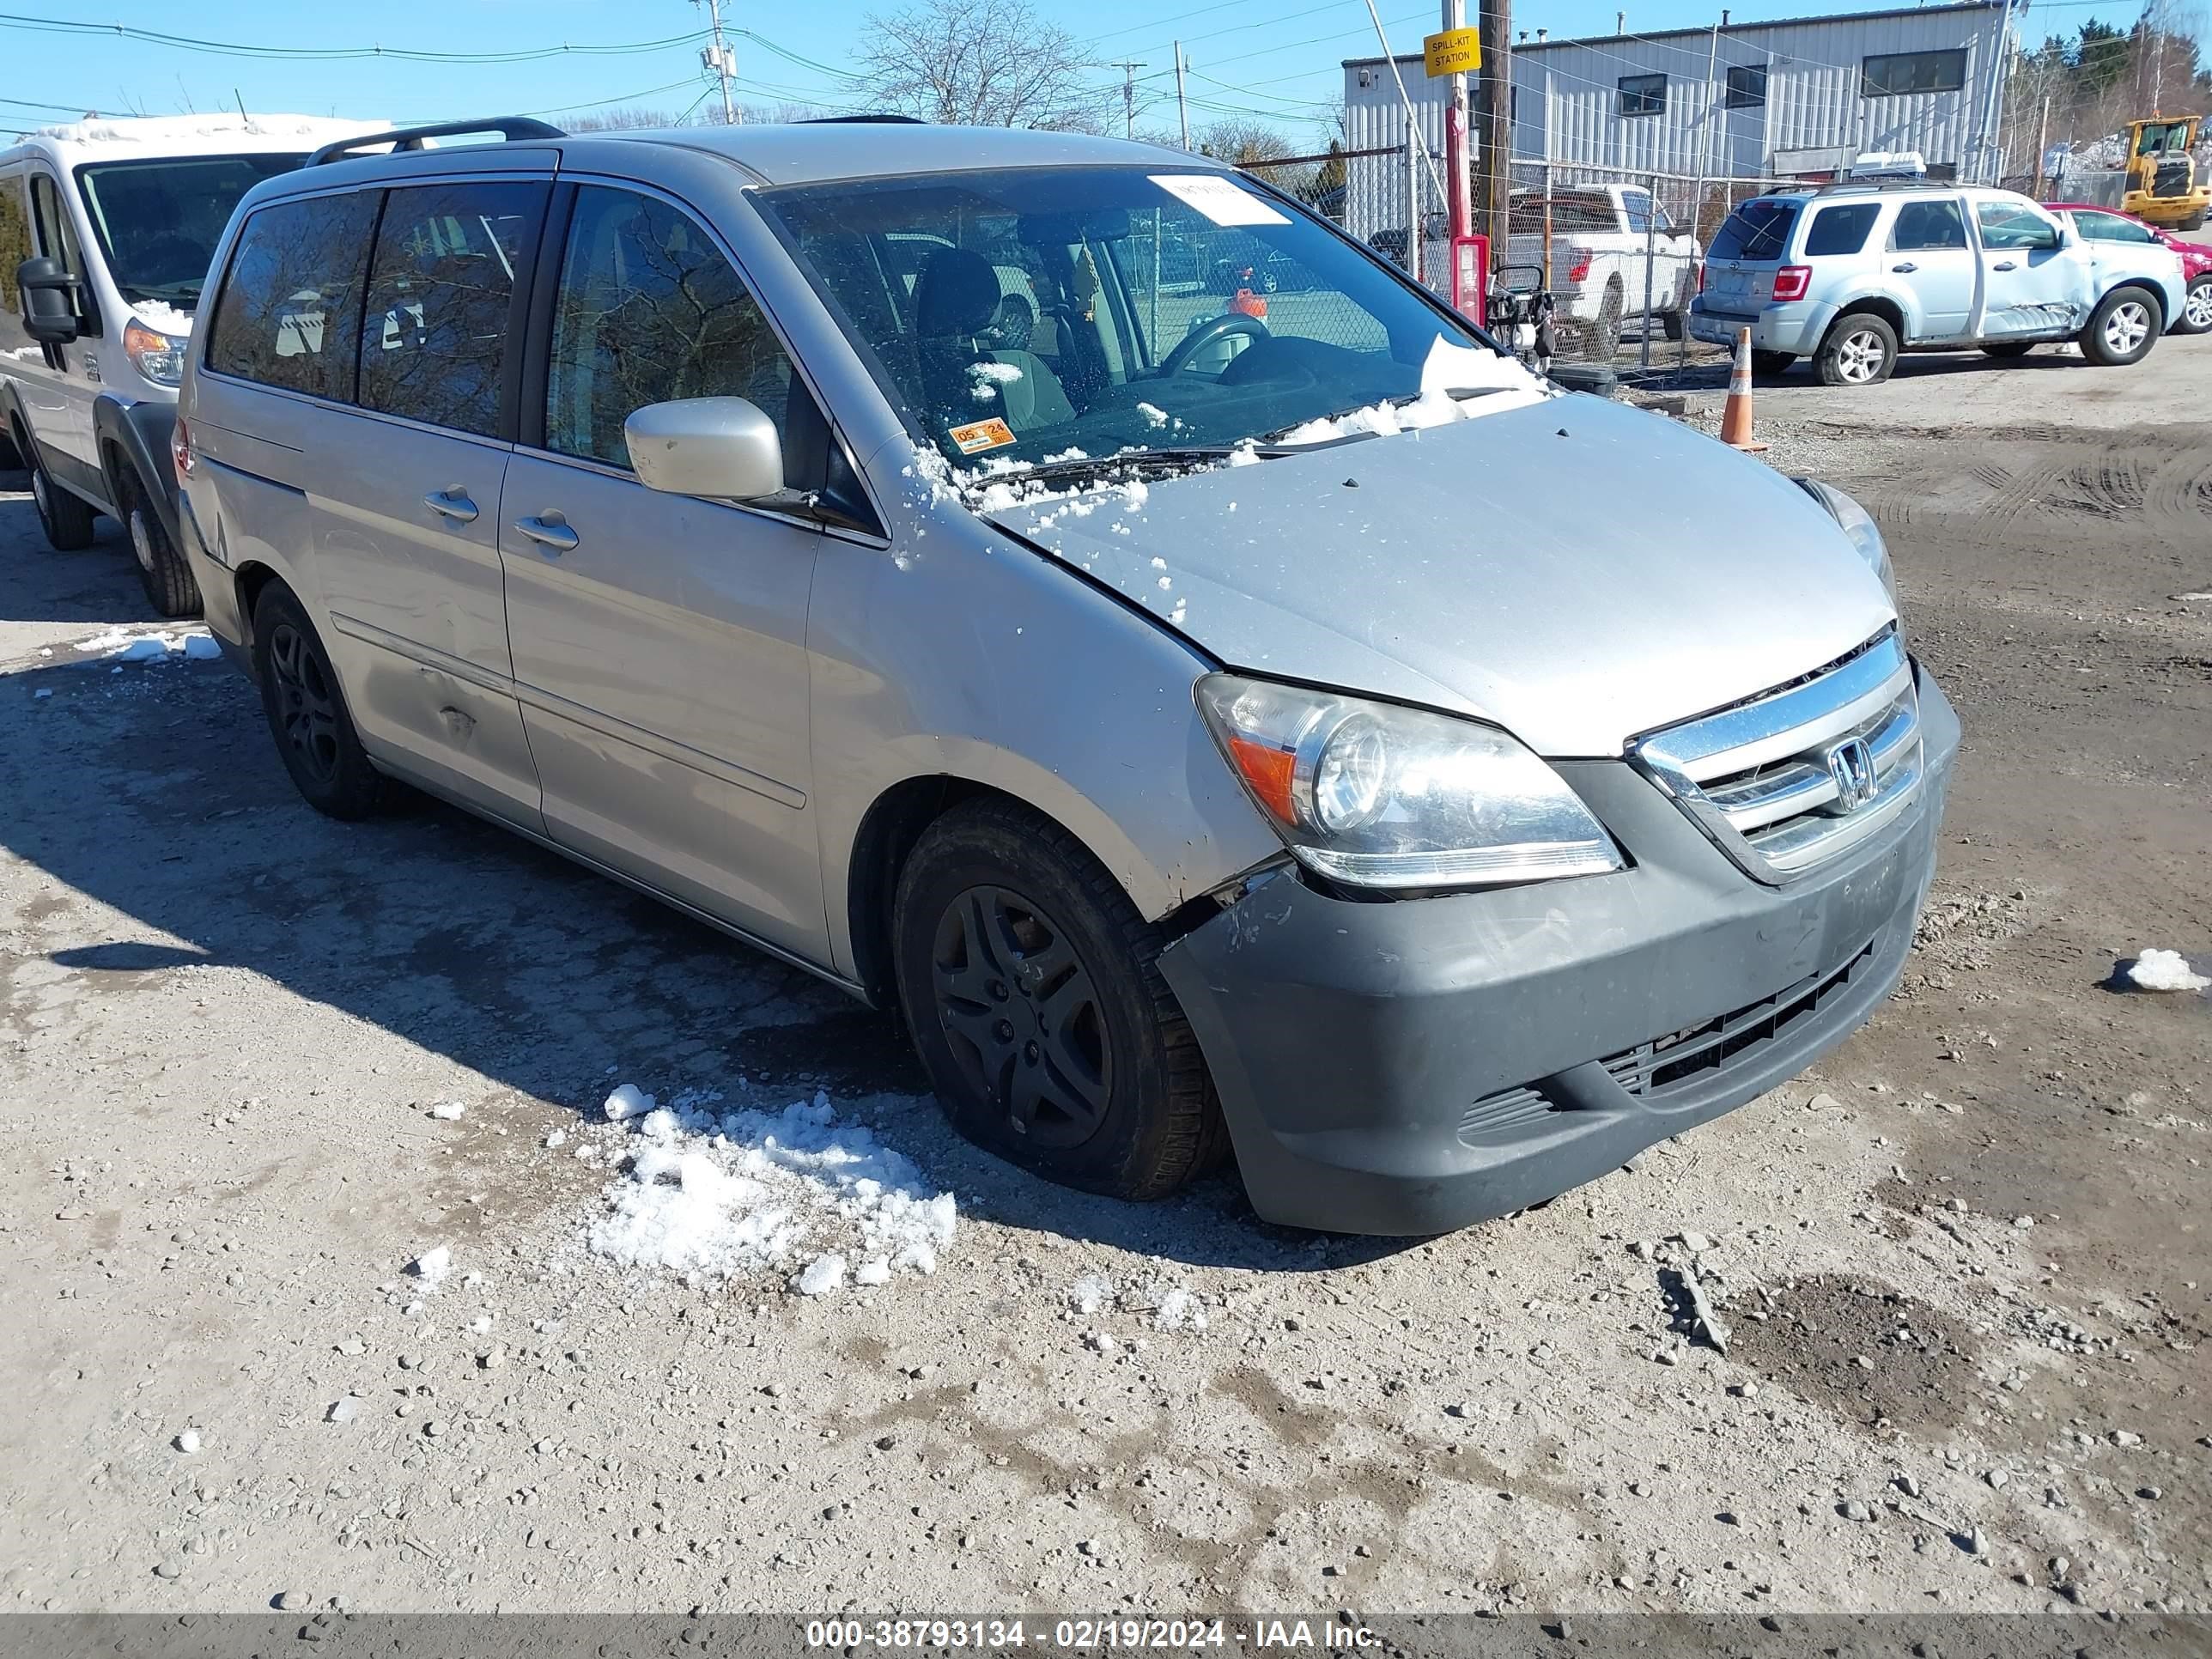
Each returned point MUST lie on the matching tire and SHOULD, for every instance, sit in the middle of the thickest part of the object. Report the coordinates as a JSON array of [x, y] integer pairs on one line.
[[1771, 364], [11, 456], [2123, 329], [2195, 221], [1671, 322], [1603, 335], [168, 581], [2008, 348], [1861, 350], [1001, 915], [306, 711], [66, 518], [2196, 308]]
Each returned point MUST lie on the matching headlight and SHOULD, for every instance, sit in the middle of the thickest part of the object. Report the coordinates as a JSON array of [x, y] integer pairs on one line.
[[1858, 524], [160, 357], [1376, 795]]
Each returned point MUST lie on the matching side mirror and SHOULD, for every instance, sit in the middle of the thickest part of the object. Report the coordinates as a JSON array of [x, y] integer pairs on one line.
[[49, 301], [721, 448]]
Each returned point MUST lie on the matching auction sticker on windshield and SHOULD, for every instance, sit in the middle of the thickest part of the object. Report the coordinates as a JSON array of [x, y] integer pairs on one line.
[[1222, 200], [978, 435]]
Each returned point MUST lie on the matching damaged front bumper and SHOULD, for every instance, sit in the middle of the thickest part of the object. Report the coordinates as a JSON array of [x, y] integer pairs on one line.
[[1409, 1066]]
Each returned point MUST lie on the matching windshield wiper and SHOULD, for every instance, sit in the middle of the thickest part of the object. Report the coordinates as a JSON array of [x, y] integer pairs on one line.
[[1136, 461], [1457, 393]]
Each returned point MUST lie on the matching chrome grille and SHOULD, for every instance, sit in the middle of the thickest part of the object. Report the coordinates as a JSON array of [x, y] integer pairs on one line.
[[1789, 781]]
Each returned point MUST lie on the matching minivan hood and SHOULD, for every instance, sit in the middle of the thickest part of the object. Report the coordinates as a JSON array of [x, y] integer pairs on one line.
[[1576, 571]]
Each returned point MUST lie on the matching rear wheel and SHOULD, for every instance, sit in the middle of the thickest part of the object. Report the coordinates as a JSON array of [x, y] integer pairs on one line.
[[168, 579], [1772, 363], [1861, 350], [2008, 347], [2196, 308], [307, 711], [1671, 323], [1031, 987], [66, 518], [2122, 329], [1604, 335]]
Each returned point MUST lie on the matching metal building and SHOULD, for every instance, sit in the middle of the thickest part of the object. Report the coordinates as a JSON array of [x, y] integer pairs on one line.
[[1795, 99]]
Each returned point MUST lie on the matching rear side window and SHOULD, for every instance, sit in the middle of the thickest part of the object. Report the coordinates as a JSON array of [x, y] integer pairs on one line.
[[1757, 230], [2096, 227], [1928, 225], [649, 311], [441, 301], [289, 310], [1841, 229]]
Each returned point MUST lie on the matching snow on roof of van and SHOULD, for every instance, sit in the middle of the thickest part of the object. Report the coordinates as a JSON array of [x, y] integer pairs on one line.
[[198, 134]]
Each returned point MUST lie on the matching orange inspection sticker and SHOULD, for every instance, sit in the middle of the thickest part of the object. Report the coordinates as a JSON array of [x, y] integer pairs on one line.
[[978, 435]]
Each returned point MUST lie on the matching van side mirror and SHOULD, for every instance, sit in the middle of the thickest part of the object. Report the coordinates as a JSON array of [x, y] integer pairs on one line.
[[49, 301], [721, 448]]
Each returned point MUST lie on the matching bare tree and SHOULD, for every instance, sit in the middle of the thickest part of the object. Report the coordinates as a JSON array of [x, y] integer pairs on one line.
[[1241, 142], [978, 63]]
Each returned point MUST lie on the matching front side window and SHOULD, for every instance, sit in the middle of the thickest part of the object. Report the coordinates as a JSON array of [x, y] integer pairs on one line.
[[1841, 229], [650, 311], [1893, 74], [1928, 225], [158, 222], [1022, 315], [2014, 225], [440, 300], [2110, 228], [15, 245], [1643, 94], [1747, 86], [289, 308]]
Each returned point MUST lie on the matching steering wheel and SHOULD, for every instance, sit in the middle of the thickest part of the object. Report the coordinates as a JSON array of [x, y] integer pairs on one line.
[[1206, 334]]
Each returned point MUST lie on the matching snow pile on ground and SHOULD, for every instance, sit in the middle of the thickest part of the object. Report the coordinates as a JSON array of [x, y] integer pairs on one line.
[[712, 1194], [1165, 1305], [2165, 970], [151, 645]]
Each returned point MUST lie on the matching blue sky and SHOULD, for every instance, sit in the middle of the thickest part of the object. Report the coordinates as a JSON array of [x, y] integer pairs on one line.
[[1276, 61]]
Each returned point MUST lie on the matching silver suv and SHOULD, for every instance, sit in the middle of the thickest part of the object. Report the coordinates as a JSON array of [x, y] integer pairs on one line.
[[1275, 723], [1851, 275]]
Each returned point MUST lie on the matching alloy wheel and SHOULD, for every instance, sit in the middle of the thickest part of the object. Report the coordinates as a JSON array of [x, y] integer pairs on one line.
[[1860, 356], [2196, 309], [1023, 1016], [141, 540], [2127, 327], [38, 491], [306, 707]]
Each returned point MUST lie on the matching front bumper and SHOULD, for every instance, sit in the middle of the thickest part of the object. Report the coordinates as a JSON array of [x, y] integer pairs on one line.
[[1410, 1066], [1797, 327]]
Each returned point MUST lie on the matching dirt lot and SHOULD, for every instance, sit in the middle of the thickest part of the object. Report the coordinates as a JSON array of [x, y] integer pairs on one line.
[[1965, 1265]]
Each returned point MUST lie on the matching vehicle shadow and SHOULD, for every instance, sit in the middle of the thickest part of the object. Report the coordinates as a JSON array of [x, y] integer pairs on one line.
[[152, 790], [98, 584]]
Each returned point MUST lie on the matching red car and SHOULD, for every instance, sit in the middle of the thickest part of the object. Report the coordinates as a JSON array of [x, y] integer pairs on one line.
[[2103, 224]]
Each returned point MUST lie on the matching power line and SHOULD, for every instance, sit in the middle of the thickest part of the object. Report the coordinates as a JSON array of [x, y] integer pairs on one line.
[[192, 43]]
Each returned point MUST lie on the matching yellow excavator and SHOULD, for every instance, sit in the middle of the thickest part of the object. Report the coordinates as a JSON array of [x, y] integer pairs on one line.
[[2160, 183]]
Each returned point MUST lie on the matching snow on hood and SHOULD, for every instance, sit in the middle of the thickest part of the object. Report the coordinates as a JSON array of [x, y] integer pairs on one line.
[[163, 319], [1575, 570]]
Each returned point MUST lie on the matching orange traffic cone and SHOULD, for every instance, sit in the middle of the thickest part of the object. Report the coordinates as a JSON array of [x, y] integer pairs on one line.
[[1735, 419]]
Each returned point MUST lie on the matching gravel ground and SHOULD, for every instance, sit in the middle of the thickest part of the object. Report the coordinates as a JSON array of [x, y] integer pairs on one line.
[[1961, 1270]]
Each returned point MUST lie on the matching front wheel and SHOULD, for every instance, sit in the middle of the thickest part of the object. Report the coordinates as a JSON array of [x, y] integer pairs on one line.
[[2196, 308], [2122, 329], [1031, 987], [168, 581], [1861, 350]]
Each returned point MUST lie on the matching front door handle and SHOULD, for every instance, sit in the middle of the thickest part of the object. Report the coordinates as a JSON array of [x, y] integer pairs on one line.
[[452, 503], [550, 531], [1907, 265], [2004, 265]]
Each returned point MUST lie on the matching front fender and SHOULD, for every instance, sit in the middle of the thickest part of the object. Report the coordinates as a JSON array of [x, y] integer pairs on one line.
[[135, 435]]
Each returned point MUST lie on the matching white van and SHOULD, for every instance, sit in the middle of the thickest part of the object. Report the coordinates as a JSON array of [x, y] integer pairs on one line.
[[105, 230]]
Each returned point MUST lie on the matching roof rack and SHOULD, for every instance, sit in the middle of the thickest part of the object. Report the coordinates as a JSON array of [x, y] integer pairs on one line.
[[884, 117], [509, 127]]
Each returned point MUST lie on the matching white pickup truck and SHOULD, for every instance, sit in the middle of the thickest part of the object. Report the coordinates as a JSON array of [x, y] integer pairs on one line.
[[1603, 236]]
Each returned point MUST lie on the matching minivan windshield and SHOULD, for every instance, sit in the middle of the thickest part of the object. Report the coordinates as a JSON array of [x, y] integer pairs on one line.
[[1054, 315], [158, 219]]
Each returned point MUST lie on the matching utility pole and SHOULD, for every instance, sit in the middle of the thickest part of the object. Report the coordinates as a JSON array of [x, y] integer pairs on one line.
[[720, 62], [1494, 122], [1183, 104], [1129, 95]]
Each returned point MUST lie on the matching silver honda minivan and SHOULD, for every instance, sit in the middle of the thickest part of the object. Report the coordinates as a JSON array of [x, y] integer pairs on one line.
[[1222, 724]]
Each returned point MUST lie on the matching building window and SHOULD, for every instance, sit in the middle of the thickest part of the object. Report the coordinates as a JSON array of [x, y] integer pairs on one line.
[[1899, 72], [1643, 94], [1747, 87]]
